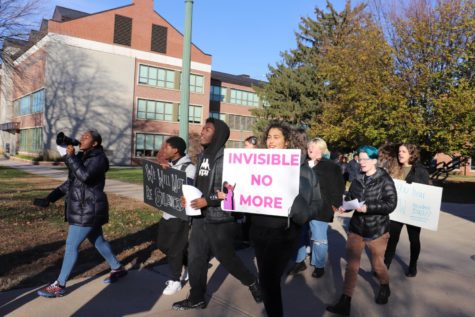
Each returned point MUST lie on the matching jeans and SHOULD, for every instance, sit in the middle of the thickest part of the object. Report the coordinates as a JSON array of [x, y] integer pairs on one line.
[[76, 235], [354, 248], [319, 239], [216, 239]]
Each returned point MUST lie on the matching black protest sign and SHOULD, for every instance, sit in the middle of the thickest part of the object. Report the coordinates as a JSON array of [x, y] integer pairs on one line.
[[162, 188]]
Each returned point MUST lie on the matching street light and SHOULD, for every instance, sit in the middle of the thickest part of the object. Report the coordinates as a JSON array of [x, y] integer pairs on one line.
[[185, 74]]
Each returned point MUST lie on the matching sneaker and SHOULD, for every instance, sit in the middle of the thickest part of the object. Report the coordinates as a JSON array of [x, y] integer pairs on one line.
[[297, 268], [318, 272], [115, 275], [187, 304], [52, 290], [173, 287], [256, 291]]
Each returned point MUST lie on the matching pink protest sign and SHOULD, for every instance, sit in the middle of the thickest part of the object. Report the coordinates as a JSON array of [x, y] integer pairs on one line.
[[260, 181]]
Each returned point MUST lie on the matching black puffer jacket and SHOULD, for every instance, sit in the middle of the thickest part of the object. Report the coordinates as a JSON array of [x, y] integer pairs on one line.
[[380, 197], [86, 202]]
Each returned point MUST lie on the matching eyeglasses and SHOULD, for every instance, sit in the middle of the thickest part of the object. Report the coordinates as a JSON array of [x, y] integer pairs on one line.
[[365, 159]]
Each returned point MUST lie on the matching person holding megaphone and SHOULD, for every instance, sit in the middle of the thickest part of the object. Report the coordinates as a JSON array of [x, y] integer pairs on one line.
[[86, 206]]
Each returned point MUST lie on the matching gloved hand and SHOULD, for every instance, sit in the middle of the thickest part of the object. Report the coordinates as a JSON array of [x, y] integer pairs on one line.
[[41, 202]]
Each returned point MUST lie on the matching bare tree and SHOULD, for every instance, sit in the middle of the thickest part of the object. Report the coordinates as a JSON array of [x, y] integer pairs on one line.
[[17, 18]]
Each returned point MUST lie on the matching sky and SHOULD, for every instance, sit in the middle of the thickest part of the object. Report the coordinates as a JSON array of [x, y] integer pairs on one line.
[[243, 36]]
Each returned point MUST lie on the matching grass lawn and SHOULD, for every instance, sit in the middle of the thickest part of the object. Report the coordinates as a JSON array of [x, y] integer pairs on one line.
[[126, 174], [32, 239]]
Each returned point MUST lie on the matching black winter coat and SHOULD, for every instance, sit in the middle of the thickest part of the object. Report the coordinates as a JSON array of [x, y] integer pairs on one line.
[[418, 174], [332, 187], [380, 197], [86, 201]]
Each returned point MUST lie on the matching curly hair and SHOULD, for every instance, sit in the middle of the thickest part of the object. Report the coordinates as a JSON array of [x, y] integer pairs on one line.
[[284, 127], [387, 159], [414, 153]]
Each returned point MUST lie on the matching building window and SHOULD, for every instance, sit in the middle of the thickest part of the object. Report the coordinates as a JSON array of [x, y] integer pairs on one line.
[[218, 93], [472, 162], [196, 83], [238, 122], [122, 30], [158, 77], [218, 115], [29, 104], [159, 38], [25, 103], [194, 114], [148, 145], [154, 110], [38, 101], [245, 98], [31, 140]]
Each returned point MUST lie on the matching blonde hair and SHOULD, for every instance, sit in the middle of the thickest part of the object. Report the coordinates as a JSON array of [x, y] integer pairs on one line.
[[322, 145]]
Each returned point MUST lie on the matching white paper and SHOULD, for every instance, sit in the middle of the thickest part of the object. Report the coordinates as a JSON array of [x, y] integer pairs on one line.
[[191, 193], [61, 150], [352, 204]]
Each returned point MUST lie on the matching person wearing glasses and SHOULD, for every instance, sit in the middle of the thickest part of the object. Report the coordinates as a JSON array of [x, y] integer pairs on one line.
[[375, 191]]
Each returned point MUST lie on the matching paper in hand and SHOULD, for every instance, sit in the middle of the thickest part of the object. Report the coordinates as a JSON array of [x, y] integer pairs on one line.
[[352, 204], [61, 150], [191, 193]]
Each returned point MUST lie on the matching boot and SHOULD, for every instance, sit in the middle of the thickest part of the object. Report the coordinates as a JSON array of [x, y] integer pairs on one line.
[[383, 294], [342, 307], [411, 271]]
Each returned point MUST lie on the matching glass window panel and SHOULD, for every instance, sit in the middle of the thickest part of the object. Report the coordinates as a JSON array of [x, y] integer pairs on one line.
[[140, 140], [161, 74], [152, 73], [143, 71], [150, 106], [149, 141], [141, 115], [158, 142], [160, 107], [169, 108], [141, 105]]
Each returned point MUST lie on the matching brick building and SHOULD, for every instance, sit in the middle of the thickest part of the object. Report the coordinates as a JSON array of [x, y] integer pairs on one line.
[[117, 71]]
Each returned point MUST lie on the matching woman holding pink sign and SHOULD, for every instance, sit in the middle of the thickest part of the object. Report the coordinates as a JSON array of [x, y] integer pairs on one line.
[[275, 238]]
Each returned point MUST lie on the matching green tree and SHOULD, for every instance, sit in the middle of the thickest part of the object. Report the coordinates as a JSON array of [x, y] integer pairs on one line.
[[434, 52], [360, 103]]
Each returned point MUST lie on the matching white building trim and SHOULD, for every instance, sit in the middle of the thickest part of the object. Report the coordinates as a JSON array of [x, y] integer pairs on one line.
[[108, 48]]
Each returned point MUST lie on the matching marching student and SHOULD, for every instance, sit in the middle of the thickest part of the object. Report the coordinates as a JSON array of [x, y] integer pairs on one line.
[[173, 231]]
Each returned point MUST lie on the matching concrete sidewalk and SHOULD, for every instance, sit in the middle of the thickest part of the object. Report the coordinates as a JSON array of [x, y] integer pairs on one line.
[[444, 286]]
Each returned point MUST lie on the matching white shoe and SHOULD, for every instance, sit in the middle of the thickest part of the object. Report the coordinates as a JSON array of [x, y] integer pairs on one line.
[[173, 287], [184, 276]]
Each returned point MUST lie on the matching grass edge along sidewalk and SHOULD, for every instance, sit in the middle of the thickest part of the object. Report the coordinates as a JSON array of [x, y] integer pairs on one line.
[[34, 256]]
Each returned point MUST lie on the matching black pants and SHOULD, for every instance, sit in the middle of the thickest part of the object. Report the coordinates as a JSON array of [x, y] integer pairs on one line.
[[415, 243], [274, 248], [173, 241], [213, 239]]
